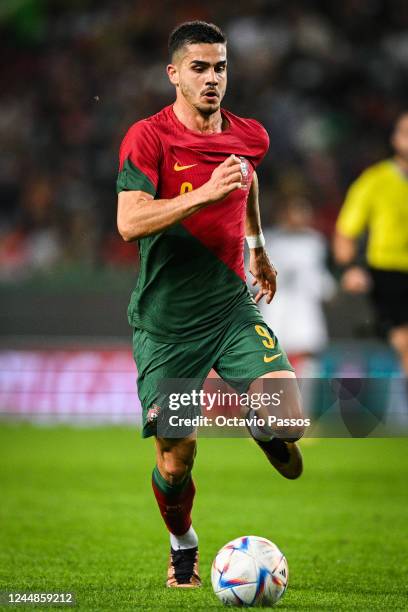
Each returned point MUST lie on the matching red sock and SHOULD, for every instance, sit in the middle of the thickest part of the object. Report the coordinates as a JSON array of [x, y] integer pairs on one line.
[[175, 502]]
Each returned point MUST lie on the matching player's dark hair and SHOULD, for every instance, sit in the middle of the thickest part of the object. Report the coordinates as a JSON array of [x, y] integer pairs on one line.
[[192, 32]]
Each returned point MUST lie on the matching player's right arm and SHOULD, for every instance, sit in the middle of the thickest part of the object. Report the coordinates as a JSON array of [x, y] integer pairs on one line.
[[140, 215]]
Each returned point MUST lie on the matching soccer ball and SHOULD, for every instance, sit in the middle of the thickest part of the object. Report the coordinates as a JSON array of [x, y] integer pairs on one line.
[[249, 571]]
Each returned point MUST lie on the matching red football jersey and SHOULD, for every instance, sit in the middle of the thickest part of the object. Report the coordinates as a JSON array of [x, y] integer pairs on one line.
[[161, 156]]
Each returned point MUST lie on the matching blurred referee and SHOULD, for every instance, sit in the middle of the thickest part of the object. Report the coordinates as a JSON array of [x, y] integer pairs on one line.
[[377, 202]]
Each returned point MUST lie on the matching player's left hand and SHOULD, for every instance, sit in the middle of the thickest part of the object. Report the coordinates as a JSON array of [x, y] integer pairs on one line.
[[264, 274]]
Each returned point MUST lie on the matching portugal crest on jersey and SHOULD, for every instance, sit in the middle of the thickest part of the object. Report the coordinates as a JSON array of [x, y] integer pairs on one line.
[[153, 413]]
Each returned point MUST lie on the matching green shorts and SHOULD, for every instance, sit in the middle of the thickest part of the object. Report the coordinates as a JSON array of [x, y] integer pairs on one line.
[[239, 355]]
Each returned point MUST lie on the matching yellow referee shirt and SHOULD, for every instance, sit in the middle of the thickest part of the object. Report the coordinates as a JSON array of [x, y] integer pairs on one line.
[[378, 202]]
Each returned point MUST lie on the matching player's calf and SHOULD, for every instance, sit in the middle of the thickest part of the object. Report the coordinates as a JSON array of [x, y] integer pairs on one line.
[[276, 428], [174, 491], [285, 457]]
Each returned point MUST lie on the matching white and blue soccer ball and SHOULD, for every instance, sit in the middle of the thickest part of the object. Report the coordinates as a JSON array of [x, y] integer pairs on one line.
[[249, 571]]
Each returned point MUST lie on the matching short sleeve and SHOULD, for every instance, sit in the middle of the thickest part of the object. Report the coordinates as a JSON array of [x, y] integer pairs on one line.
[[355, 213], [139, 158], [259, 142]]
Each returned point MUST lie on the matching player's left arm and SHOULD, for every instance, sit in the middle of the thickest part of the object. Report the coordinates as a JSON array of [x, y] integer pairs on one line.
[[260, 267]]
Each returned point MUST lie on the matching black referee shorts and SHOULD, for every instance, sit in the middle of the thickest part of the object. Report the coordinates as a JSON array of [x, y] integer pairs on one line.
[[389, 295]]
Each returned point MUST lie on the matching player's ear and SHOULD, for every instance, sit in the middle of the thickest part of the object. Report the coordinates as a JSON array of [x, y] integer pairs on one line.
[[172, 73]]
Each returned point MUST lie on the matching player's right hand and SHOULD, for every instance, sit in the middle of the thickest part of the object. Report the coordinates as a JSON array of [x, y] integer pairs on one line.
[[225, 178]]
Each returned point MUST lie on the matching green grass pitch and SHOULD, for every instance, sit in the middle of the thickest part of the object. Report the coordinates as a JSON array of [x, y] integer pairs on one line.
[[77, 513]]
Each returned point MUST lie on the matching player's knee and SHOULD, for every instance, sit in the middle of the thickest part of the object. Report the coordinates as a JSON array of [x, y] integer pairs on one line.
[[176, 471], [179, 462]]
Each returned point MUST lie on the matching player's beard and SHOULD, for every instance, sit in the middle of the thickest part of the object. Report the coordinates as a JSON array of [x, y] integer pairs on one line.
[[203, 108]]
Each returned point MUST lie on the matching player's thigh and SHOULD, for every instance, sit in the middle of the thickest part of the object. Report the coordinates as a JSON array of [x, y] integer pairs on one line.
[[163, 368], [250, 352], [254, 362]]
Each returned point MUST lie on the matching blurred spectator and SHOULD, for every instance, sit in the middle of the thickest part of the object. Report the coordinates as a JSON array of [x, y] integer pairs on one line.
[[33, 243], [299, 254]]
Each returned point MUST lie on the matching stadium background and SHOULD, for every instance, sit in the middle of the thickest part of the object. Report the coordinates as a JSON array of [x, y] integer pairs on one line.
[[326, 78]]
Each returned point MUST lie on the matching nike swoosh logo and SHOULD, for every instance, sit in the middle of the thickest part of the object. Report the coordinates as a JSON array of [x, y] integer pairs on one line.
[[269, 359], [178, 168]]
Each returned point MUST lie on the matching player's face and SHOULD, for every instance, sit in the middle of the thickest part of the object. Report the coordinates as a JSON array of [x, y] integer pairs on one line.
[[400, 137], [200, 73]]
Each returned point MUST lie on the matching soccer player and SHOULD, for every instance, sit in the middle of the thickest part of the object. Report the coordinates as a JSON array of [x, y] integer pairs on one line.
[[188, 193], [377, 202]]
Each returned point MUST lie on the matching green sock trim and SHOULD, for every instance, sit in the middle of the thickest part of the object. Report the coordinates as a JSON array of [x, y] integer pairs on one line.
[[167, 488]]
